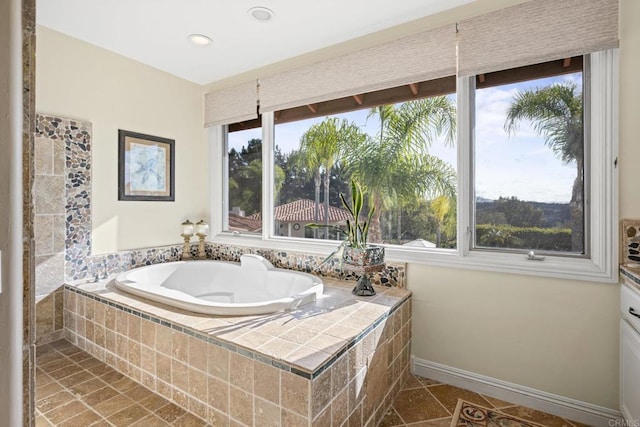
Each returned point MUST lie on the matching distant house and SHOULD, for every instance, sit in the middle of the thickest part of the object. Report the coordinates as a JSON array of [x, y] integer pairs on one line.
[[291, 218], [244, 223]]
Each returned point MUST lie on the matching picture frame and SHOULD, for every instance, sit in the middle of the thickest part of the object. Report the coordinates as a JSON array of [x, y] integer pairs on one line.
[[146, 167]]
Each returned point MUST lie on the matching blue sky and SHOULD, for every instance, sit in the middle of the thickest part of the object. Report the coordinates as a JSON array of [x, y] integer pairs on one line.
[[519, 165]]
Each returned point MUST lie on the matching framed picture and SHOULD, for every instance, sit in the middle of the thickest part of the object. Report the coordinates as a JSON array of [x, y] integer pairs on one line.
[[146, 167]]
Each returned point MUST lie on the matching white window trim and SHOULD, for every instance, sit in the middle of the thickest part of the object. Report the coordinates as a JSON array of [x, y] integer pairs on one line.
[[603, 187]]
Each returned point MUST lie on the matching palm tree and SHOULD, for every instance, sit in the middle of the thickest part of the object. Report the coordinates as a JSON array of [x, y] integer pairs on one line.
[[320, 147], [443, 209], [395, 165], [556, 113]]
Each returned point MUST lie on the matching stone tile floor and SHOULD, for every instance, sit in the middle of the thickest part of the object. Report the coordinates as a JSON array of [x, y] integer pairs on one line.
[[75, 389], [423, 402]]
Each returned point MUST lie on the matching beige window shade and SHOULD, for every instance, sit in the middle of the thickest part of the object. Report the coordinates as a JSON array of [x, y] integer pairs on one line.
[[534, 32], [416, 58], [231, 105]]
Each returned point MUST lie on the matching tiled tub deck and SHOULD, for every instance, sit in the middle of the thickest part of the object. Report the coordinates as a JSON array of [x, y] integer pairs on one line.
[[339, 361]]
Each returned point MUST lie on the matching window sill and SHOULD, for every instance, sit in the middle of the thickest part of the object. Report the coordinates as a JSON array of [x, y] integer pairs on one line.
[[555, 267]]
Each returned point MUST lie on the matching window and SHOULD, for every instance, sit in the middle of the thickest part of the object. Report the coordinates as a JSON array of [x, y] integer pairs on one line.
[[402, 153], [507, 187], [529, 156], [244, 180]]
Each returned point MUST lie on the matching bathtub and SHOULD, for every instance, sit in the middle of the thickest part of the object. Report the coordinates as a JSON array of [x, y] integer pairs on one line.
[[223, 288]]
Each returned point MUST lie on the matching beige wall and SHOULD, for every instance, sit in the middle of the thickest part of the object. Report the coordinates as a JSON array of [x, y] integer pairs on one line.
[[78, 80], [558, 336]]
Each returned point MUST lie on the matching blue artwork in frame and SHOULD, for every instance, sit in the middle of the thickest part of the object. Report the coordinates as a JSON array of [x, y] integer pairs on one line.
[[146, 167]]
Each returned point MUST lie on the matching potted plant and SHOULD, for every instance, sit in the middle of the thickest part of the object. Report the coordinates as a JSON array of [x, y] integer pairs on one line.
[[354, 252]]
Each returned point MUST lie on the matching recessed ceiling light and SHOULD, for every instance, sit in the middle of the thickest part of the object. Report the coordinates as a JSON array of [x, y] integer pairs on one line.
[[199, 40], [261, 14]]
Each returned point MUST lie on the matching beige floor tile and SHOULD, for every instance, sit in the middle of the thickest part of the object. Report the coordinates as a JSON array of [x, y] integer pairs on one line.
[[391, 418], [54, 364], [170, 412], [138, 393], [98, 396], [85, 418], [41, 421], [412, 382], [153, 402], [448, 396], [442, 422], [42, 358], [111, 377], [100, 369], [189, 420], [48, 390], [427, 381], [113, 405], [123, 385], [79, 357], [418, 405], [89, 362], [75, 379], [497, 403], [87, 387], [54, 401], [64, 412], [536, 416], [150, 421], [128, 416]]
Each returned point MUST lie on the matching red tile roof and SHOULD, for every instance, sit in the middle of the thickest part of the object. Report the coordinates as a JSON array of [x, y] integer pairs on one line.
[[303, 211], [244, 223]]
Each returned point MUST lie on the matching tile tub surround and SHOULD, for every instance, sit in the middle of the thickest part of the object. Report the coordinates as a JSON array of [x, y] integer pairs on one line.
[[49, 317], [342, 358], [106, 265], [62, 194], [61, 190]]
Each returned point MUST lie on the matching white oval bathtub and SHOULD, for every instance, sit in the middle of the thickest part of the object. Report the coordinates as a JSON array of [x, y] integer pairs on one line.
[[216, 287]]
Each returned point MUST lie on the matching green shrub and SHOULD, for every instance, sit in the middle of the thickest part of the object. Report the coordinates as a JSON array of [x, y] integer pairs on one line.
[[535, 238]]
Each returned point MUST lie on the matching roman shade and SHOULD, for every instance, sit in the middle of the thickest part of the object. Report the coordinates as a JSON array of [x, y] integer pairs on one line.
[[534, 32], [425, 56], [234, 104]]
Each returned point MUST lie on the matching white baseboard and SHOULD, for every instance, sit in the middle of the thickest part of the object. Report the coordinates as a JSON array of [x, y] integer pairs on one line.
[[564, 407]]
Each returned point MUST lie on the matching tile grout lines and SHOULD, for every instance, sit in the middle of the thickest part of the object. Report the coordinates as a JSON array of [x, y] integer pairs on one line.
[[73, 383], [74, 388], [446, 397]]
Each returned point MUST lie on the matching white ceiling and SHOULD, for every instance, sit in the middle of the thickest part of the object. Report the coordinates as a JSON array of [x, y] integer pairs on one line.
[[155, 32]]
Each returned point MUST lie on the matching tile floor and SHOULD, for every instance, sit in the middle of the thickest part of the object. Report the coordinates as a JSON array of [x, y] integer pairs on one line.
[[424, 402], [75, 389]]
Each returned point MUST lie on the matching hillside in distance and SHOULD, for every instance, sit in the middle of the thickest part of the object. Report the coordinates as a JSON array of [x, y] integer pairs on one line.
[[553, 214]]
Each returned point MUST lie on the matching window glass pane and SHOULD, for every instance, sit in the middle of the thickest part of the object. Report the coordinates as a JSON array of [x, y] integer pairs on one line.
[[402, 154], [529, 165], [244, 183]]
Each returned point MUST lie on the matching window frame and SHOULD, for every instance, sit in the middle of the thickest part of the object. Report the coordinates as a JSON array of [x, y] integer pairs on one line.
[[473, 244], [601, 207]]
